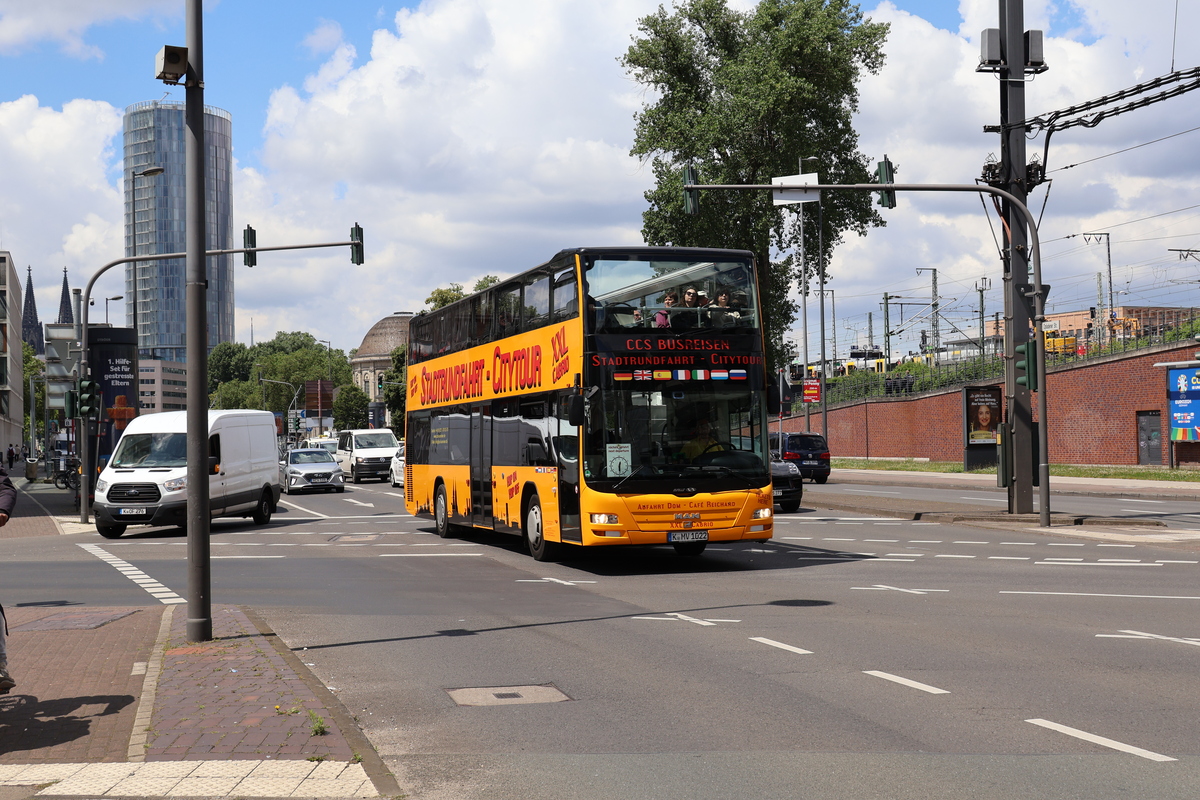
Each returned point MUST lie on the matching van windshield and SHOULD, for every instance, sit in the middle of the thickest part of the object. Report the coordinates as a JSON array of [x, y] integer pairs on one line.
[[151, 450], [381, 439]]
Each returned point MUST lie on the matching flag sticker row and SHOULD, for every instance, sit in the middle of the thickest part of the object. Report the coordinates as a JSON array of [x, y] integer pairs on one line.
[[681, 375]]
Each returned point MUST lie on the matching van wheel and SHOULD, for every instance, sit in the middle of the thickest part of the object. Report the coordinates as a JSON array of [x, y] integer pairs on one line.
[[262, 511], [354, 476], [110, 531], [441, 513], [539, 548]]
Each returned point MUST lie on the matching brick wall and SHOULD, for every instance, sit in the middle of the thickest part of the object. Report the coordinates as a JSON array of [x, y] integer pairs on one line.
[[1092, 408]]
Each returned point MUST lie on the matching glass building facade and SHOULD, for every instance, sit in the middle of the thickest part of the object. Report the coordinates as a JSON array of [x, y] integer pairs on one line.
[[154, 223]]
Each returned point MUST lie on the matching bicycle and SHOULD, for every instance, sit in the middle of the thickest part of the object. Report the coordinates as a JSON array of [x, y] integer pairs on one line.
[[67, 478]]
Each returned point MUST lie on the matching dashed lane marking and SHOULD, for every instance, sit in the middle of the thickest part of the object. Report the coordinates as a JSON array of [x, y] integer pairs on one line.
[[1100, 740], [879, 587], [781, 645], [1143, 635], [1098, 594], [139, 578], [551, 580], [887, 676]]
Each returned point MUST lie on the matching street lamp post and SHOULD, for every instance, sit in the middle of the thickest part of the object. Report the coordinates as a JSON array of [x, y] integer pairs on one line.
[[108, 300]]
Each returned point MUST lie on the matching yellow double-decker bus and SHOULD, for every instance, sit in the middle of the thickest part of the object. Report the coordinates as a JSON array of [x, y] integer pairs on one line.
[[609, 396]]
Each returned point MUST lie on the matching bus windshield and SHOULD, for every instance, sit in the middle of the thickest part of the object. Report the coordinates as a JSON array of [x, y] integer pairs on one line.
[[681, 434], [639, 292]]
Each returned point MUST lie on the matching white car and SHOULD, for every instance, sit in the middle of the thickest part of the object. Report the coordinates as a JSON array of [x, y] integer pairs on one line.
[[396, 470]]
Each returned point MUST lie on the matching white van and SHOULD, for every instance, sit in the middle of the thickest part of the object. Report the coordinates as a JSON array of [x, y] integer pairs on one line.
[[145, 481], [366, 453]]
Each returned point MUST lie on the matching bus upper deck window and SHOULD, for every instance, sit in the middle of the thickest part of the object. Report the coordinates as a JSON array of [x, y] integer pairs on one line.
[[566, 295]]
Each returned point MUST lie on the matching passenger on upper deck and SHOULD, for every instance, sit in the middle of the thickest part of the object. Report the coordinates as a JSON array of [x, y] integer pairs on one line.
[[723, 314], [662, 319]]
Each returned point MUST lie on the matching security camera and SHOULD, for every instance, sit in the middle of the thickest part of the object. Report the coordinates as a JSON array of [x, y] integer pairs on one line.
[[171, 64]]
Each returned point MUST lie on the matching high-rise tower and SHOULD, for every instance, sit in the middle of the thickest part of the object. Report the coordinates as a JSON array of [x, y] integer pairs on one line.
[[154, 223]]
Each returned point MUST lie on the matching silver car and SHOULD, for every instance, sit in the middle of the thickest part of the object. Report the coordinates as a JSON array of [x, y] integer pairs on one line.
[[311, 469]]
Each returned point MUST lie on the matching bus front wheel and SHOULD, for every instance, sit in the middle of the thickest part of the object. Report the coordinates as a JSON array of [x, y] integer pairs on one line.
[[689, 548], [539, 548], [441, 514]]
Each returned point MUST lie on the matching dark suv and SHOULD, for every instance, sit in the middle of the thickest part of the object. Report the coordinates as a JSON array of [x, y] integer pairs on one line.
[[808, 451], [787, 483]]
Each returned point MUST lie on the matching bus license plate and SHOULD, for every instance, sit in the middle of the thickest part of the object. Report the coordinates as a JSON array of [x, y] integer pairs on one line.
[[127, 512], [687, 536]]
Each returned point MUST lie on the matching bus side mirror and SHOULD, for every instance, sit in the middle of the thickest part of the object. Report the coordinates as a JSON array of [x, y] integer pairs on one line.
[[213, 467], [575, 413]]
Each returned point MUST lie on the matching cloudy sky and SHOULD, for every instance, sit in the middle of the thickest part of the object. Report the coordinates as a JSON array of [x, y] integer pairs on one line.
[[471, 137]]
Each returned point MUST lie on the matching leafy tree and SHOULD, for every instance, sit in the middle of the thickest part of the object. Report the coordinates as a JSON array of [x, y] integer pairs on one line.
[[439, 298], [485, 282], [236, 394], [288, 343], [742, 96], [350, 408], [33, 368], [229, 361], [395, 389]]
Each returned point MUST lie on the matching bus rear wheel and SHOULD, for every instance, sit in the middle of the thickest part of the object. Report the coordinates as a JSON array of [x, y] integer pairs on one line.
[[539, 548], [441, 512]]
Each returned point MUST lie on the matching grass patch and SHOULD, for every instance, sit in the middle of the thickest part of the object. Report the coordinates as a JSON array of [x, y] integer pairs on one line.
[[1059, 470], [317, 724]]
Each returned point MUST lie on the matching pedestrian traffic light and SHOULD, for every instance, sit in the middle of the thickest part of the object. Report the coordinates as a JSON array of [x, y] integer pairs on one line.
[[1026, 365], [885, 173], [249, 241], [691, 197], [356, 248], [87, 399]]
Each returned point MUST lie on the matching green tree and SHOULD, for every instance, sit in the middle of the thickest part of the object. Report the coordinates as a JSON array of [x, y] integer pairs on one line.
[[395, 389], [350, 408], [742, 96], [485, 282], [439, 298], [229, 361], [33, 368], [236, 394]]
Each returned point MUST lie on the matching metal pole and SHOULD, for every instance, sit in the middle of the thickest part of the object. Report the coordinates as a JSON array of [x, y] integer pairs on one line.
[[821, 276], [32, 419], [804, 315], [199, 600]]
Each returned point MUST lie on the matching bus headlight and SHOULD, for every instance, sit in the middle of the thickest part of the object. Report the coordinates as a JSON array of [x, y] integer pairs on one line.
[[604, 519], [762, 513]]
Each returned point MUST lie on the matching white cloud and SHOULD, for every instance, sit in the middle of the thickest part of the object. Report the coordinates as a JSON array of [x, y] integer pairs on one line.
[[24, 24]]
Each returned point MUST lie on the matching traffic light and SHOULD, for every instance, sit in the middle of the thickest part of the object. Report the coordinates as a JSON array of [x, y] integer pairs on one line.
[[379, 382], [249, 241], [1026, 365], [356, 249], [88, 399], [885, 173], [71, 403], [691, 197]]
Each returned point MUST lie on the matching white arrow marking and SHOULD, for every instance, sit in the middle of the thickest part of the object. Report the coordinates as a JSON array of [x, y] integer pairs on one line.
[[359, 502]]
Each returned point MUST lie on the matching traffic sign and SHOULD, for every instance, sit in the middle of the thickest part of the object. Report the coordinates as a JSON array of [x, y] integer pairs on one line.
[[783, 197]]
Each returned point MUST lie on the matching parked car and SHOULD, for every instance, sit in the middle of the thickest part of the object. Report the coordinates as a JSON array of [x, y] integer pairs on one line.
[[808, 451], [396, 471], [145, 481], [788, 484], [310, 470], [325, 442], [366, 453]]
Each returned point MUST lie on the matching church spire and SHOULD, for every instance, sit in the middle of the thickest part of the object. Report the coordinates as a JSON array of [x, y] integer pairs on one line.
[[65, 315], [31, 326]]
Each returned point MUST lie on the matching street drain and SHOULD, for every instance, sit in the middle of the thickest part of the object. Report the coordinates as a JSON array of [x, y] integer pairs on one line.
[[506, 695]]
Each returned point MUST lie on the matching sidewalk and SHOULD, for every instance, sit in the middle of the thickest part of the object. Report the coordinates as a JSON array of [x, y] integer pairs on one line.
[[115, 702]]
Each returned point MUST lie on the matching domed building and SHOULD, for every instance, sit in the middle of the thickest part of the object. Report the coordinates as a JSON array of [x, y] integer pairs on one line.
[[374, 357]]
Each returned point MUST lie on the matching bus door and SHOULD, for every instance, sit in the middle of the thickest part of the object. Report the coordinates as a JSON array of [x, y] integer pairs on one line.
[[481, 466], [566, 449]]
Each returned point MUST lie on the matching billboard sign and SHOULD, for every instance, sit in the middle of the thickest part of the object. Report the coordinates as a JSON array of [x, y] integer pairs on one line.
[[1183, 390], [812, 390], [112, 359], [981, 414]]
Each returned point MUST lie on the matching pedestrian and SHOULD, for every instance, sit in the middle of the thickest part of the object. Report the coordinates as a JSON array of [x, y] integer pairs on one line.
[[12, 456], [8, 499]]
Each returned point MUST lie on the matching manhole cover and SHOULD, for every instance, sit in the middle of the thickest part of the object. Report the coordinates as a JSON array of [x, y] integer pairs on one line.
[[506, 695], [356, 537], [75, 620]]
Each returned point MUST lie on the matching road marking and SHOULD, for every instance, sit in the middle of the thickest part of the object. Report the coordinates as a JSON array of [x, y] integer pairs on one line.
[[1132, 500], [139, 578], [424, 555], [960, 542], [799, 538], [927, 523], [1096, 594], [1063, 544], [1100, 740], [1119, 560], [924, 541], [1081, 563], [924, 687], [1008, 558], [283, 502], [947, 555], [827, 539], [849, 523], [550, 580], [881, 587], [985, 499], [216, 557], [1142, 635], [1137, 511], [1176, 562], [888, 541], [1116, 545], [358, 502], [781, 645]]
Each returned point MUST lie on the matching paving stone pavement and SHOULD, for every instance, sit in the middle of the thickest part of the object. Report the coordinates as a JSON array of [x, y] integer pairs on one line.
[[115, 702]]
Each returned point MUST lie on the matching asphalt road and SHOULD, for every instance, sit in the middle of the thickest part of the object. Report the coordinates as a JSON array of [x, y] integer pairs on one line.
[[852, 657]]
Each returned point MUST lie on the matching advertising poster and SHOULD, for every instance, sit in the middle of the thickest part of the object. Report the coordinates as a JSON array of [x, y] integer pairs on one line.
[[811, 392], [982, 410], [112, 359], [1183, 389]]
